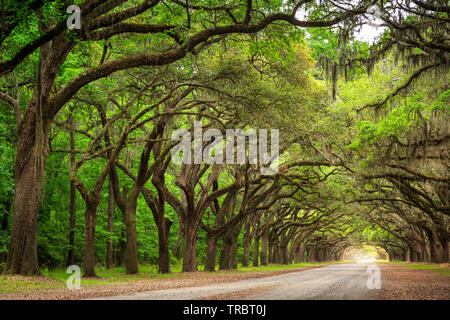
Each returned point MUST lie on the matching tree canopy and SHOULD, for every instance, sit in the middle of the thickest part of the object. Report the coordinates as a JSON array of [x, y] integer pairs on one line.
[[88, 119]]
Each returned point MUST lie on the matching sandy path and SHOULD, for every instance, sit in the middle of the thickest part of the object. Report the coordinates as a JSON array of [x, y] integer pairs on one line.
[[340, 281]]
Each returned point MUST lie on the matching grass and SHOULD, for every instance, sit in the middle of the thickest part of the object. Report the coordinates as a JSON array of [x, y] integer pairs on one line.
[[14, 284], [273, 267], [442, 268], [116, 274], [56, 279]]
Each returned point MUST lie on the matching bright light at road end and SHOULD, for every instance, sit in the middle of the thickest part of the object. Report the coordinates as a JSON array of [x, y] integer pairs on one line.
[[364, 254], [364, 259]]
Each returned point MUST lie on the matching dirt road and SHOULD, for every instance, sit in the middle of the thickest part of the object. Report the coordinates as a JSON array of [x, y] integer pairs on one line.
[[340, 281]]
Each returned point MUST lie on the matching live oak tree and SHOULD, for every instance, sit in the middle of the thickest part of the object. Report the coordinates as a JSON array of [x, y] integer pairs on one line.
[[179, 36], [368, 165]]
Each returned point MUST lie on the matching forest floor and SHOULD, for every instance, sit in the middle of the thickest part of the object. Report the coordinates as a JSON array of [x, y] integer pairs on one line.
[[52, 284], [399, 281], [412, 281]]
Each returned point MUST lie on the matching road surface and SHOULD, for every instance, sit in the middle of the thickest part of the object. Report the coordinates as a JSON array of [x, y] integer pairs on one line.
[[339, 281]]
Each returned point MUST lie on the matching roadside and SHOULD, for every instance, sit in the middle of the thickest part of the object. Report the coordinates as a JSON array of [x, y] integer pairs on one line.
[[53, 286], [402, 281], [440, 268]]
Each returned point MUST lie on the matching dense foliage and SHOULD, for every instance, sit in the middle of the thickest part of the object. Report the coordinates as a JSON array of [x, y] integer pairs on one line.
[[87, 115]]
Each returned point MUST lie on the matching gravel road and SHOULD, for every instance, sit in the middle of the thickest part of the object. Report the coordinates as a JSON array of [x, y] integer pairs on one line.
[[339, 281]]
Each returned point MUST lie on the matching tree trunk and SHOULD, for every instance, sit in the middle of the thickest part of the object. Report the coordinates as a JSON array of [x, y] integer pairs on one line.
[[285, 255], [301, 253], [211, 241], [233, 254], [163, 243], [292, 250], [109, 243], [224, 260], [29, 166], [415, 252], [176, 248], [420, 255], [89, 245], [234, 246], [445, 250], [247, 240], [123, 243], [435, 246], [190, 248], [270, 251], [131, 260], [73, 196], [275, 251], [264, 242], [162, 222], [256, 251], [123, 248], [28, 174], [311, 254], [278, 254], [72, 224]]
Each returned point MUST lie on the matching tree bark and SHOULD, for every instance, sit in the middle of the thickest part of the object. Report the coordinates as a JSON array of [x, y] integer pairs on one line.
[[301, 252], [73, 197], [264, 244], [31, 156], [123, 247], [247, 240], [72, 224], [311, 257], [278, 254], [292, 250], [224, 260], [445, 250], [28, 174], [285, 254], [89, 245], [233, 251], [211, 241], [408, 254], [162, 222], [131, 259], [270, 251], [190, 248], [176, 248], [256, 251], [109, 243], [434, 246], [163, 243]]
